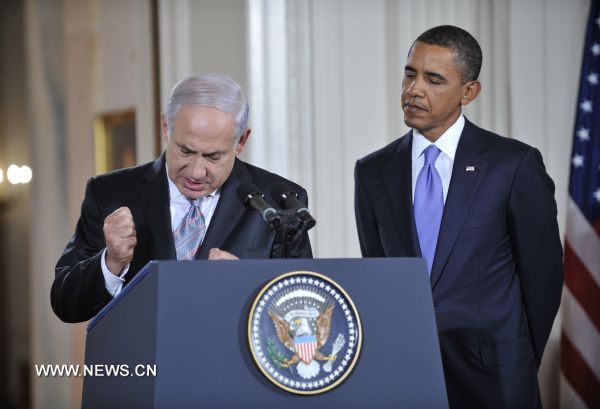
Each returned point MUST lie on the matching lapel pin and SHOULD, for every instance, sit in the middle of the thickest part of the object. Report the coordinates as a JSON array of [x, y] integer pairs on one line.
[[470, 169]]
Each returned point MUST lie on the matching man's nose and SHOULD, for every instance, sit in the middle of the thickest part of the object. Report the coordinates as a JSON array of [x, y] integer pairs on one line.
[[199, 169], [414, 88]]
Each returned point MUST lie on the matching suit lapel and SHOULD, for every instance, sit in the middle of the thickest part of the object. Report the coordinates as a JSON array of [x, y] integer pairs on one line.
[[155, 195], [463, 186], [398, 185], [228, 212]]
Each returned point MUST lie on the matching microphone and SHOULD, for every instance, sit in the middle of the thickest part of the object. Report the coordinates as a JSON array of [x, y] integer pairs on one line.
[[288, 198], [252, 197]]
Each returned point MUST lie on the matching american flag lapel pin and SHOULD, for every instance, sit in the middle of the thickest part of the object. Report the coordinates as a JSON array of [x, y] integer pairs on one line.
[[470, 169]]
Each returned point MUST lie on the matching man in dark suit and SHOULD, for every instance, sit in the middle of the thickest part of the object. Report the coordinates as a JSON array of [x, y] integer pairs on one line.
[[183, 205], [480, 209]]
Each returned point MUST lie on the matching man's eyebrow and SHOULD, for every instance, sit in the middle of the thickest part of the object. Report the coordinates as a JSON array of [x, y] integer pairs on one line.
[[181, 146], [428, 73], [435, 75], [213, 153]]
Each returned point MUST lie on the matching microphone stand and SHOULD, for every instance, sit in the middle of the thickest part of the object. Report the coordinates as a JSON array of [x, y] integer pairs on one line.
[[289, 230]]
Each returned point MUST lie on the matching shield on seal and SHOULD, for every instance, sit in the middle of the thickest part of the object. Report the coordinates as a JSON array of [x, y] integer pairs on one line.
[[306, 346]]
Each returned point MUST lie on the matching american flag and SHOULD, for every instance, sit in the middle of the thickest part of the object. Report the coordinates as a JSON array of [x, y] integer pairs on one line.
[[580, 338]]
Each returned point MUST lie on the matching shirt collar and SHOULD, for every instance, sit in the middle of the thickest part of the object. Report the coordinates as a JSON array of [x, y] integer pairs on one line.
[[447, 142]]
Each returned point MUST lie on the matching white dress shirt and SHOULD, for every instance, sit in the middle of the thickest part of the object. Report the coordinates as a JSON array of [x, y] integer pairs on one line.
[[179, 205], [447, 144]]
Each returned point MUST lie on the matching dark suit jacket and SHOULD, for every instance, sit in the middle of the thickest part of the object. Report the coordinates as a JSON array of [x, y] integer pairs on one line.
[[79, 292], [497, 272]]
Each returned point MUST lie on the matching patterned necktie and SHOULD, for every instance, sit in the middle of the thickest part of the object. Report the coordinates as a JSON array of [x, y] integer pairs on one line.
[[429, 205], [190, 232]]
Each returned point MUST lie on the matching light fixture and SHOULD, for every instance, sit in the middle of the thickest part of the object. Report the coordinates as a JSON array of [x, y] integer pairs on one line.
[[18, 174], [9, 192]]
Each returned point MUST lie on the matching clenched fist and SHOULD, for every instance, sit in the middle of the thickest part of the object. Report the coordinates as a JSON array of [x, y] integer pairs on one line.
[[120, 237]]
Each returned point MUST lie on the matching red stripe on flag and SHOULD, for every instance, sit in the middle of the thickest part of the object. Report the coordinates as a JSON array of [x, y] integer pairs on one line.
[[596, 227], [582, 285], [578, 373]]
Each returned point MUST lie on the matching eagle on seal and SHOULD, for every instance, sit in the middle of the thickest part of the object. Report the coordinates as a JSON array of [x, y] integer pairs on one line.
[[298, 336]]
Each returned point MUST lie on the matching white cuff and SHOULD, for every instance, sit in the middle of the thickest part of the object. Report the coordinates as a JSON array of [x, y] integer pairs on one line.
[[113, 283]]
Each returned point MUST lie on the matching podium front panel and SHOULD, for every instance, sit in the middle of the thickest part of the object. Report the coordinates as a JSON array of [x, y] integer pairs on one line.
[[190, 319]]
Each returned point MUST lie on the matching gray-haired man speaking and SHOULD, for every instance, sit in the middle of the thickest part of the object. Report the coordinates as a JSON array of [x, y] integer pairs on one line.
[[183, 205]]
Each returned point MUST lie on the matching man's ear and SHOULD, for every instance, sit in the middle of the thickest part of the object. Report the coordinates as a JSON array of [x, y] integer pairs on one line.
[[242, 142], [470, 91], [164, 128]]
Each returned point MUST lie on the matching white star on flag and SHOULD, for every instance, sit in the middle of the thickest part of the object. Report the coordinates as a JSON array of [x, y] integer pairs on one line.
[[577, 160], [595, 49], [583, 134], [597, 195], [593, 78], [586, 105]]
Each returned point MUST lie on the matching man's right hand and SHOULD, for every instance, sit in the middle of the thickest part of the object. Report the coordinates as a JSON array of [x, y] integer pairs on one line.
[[120, 238]]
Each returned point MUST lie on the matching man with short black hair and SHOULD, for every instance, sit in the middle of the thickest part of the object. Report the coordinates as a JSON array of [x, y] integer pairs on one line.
[[480, 209]]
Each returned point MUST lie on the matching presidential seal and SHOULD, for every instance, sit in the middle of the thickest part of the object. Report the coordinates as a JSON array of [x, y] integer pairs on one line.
[[304, 332]]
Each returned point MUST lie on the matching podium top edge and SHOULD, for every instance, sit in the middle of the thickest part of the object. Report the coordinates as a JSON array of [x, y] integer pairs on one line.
[[143, 273]]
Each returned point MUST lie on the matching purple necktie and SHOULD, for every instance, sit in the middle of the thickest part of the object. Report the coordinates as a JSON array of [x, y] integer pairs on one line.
[[429, 205], [190, 232]]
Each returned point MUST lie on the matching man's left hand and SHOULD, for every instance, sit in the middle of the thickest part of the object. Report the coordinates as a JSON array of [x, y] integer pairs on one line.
[[218, 254]]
